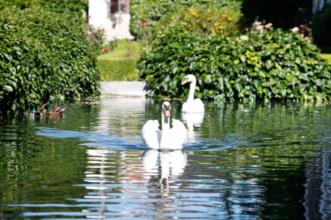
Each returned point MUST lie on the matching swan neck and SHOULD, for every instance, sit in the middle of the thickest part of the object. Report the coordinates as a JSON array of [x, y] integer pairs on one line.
[[165, 122], [191, 91]]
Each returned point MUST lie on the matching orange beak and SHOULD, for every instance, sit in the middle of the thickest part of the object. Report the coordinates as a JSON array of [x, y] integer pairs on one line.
[[167, 112]]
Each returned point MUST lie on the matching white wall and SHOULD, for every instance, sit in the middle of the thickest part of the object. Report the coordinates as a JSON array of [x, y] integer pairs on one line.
[[115, 26]]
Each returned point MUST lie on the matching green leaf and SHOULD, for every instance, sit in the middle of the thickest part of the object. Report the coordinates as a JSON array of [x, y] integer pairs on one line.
[[8, 88]]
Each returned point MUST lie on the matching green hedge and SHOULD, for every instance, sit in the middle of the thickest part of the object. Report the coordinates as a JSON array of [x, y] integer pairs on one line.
[[117, 70], [73, 7], [262, 65], [148, 17], [43, 54]]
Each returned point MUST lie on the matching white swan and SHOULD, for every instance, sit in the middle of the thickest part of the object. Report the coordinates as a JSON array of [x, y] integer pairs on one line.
[[191, 104], [167, 138]]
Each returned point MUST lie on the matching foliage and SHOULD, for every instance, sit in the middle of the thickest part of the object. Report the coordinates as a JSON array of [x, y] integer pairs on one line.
[[43, 54], [74, 7], [117, 70], [321, 27], [120, 62], [18, 3], [261, 65], [148, 17], [327, 57], [96, 39]]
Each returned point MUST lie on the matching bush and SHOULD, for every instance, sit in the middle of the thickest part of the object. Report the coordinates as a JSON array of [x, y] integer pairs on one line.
[[96, 39], [116, 70], [262, 65], [43, 54], [149, 17], [18, 3], [73, 7]]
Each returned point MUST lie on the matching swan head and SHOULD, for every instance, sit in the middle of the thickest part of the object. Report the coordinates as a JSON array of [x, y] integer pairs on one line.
[[166, 111], [188, 79]]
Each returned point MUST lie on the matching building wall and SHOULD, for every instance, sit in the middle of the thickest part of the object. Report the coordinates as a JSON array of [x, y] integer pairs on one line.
[[113, 16]]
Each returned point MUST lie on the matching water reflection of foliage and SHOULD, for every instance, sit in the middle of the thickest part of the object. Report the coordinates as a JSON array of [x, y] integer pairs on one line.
[[281, 144], [279, 123], [30, 164], [273, 177]]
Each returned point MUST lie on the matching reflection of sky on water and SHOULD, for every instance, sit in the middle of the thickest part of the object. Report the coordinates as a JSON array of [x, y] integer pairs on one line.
[[125, 143], [119, 122], [120, 115], [93, 138]]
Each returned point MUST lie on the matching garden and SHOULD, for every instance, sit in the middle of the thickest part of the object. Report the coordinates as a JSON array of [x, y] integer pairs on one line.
[[259, 148], [234, 56], [44, 54], [232, 62]]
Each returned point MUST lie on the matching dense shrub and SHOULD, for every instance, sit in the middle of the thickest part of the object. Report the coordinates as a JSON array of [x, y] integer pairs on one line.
[[262, 65], [21, 4], [118, 69], [150, 16], [43, 54], [73, 7]]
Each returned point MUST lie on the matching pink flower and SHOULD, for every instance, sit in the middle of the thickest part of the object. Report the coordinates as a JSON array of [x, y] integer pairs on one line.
[[257, 25], [268, 26], [295, 29], [259, 28]]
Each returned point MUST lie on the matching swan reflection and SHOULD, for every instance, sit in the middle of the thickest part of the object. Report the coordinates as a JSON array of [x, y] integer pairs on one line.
[[164, 166], [192, 120]]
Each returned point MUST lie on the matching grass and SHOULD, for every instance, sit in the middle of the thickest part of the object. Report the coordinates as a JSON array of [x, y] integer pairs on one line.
[[120, 63], [327, 56]]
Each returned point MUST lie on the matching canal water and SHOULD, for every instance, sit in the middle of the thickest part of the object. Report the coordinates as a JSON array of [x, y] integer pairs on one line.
[[239, 162]]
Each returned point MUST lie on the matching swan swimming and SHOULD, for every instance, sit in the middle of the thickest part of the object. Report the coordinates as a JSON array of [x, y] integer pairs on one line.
[[168, 137], [191, 104]]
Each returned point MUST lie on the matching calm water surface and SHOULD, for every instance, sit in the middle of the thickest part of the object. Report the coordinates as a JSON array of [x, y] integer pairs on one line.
[[240, 162]]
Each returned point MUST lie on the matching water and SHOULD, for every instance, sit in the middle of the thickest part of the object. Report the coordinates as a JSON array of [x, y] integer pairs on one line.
[[240, 162]]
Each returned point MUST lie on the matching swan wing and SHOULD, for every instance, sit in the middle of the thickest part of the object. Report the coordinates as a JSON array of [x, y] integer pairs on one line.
[[175, 137], [195, 105], [151, 134], [179, 133]]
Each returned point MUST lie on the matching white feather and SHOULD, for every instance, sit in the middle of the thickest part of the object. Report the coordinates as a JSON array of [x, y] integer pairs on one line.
[[192, 104], [167, 138], [151, 134]]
